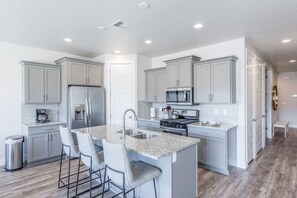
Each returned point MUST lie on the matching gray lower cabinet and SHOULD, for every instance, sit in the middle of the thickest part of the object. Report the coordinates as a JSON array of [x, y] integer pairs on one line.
[[155, 85], [149, 125], [179, 72], [216, 149], [42, 143], [215, 81], [41, 83]]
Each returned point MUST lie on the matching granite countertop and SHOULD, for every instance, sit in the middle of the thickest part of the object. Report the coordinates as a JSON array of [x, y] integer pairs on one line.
[[34, 124], [150, 119], [223, 127], [157, 147]]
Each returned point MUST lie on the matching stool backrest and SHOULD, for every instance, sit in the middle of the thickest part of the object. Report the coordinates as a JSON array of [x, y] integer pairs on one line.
[[67, 139], [115, 157], [87, 150]]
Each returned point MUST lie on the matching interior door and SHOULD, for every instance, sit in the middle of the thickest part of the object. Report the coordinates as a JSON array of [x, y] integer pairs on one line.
[[250, 107], [121, 93], [258, 104]]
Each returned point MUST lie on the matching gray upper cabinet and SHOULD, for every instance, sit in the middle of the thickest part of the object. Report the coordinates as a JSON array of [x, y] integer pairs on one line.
[[155, 85], [82, 72], [41, 83], [179, 72], [215, 81]]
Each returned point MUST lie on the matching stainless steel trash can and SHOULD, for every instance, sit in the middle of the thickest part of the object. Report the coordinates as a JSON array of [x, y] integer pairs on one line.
[[14, 152]]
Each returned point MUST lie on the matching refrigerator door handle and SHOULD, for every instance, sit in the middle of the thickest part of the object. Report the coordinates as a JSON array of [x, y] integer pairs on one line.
[[87, 113]]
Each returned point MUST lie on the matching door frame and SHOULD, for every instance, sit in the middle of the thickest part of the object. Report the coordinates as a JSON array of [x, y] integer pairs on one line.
[[107, 82], [268, 79]]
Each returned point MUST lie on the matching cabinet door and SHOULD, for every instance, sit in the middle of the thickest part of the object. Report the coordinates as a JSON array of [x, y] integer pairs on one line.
[[161, 86], [34, 84], [216, 155], [38, 147], [172, 75], [52, 85], [94, 76], [151, 84], [55, 144], [202, 83], [221, 82], [201, 147], [76, 74], [185, 73]]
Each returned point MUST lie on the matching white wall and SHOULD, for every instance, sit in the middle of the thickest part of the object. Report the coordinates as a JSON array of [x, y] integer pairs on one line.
[[236, 111], [10, 85], [108, 59], [287, 86]]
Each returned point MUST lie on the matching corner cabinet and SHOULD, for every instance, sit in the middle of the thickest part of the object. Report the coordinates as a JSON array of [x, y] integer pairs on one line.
[[179, 72], [41, 83], [215, 80], [81, 72], [42, 142], [155, 85]]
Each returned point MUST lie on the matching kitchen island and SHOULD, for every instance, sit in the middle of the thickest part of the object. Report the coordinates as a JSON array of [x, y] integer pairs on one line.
[[175, 155]]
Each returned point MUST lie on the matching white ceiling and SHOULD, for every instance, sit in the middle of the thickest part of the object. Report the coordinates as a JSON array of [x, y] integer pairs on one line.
[[168, 23]]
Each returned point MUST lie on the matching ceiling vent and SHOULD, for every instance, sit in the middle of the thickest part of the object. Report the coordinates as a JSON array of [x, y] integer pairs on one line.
[[120, 24]]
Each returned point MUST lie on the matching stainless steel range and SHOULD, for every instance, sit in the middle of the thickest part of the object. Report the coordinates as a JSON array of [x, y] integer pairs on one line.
[[178, 124]]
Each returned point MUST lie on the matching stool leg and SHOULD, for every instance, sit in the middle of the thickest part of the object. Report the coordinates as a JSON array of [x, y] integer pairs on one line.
[[69, 165], [90, 172], [60, 168], [154, 180], [78, 170], [104, 180]]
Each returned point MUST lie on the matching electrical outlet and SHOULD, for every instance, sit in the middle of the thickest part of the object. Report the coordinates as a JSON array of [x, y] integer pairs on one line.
[[225, 112], [216, 111]]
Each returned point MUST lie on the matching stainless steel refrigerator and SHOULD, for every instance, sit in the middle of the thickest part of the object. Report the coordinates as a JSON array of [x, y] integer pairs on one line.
[[86, 107]]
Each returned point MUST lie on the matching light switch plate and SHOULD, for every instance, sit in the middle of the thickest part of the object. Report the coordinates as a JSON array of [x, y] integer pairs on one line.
[[216, 111], [225, 111]]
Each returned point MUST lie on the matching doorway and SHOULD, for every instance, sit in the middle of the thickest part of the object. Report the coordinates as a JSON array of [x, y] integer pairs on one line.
[[121, 93]]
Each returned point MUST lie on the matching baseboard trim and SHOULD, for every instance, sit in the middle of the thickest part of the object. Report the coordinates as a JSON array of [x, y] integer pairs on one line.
[[2, 162], [241, 165]]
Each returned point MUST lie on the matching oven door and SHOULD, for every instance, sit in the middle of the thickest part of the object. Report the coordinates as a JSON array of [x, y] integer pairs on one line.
[[174, 131]]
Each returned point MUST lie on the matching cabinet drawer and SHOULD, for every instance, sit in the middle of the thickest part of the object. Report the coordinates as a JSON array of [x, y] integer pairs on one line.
[[43, 129], [208, 132], [148, 124]]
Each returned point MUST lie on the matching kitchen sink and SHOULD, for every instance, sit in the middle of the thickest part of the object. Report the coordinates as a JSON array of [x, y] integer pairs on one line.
[[144, 136], [138, 134]]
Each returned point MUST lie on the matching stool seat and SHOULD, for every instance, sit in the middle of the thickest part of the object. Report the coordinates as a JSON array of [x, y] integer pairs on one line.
[[142, 173], [281, 124]]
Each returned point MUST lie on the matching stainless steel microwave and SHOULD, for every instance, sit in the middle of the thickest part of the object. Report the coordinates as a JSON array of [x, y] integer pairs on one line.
[[179, 96]]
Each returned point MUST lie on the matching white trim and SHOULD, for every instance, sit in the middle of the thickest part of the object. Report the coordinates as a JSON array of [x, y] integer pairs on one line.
[[242, 165], [2, 162]]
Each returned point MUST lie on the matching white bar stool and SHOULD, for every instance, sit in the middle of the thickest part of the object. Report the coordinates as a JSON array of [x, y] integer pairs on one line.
[[124, 174], [281, 124]]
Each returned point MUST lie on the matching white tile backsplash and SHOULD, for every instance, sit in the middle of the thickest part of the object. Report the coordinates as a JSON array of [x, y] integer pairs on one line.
[[28, 113], [225, 113]]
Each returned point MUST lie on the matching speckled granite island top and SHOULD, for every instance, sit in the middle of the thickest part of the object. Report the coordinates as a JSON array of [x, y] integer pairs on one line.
[[157, 147]]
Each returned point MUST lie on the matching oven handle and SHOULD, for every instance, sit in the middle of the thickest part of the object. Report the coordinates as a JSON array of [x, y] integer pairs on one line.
[[174, 129]]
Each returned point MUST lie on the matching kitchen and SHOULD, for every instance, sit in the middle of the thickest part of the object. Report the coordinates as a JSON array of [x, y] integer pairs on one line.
[[144, 95]]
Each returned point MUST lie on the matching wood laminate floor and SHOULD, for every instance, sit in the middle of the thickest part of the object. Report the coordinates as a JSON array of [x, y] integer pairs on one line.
[[272, 174]]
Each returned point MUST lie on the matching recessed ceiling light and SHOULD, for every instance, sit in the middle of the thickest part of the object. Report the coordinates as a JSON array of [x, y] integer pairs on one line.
[[292, 61], [148, 41], [68, 40], [286, 40], [144, 5], [117, 51], [101, 28], [198, 25]]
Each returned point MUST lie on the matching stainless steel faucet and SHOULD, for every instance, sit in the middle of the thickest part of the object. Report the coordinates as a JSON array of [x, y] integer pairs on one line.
[[124, 121]]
